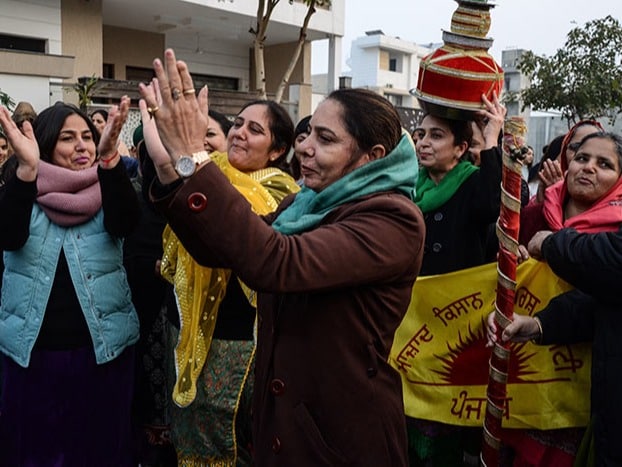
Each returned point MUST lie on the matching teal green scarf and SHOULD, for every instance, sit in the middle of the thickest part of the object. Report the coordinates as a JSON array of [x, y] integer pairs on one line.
[[395, 172], [431, 196]]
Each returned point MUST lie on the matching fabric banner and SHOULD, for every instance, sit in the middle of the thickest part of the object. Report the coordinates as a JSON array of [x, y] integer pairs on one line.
[[439, 350]]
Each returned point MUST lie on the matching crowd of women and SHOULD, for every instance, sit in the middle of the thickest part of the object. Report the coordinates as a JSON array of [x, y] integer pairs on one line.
[[228, 305]]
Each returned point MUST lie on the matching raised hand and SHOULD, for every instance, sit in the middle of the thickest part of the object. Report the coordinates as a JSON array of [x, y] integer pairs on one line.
[[110, 136], [550, 173], [492, 119], [181, 118], [24, 145], [156, 150]]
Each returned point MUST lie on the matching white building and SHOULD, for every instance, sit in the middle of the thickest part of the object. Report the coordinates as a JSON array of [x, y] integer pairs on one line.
[[387, 65], [46, 45], [514, 81]]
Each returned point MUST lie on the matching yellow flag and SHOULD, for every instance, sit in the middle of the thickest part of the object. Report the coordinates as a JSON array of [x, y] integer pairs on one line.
[[439, 351]]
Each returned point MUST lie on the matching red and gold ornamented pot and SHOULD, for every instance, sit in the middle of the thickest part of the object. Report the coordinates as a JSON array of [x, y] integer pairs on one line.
[[453, 78]]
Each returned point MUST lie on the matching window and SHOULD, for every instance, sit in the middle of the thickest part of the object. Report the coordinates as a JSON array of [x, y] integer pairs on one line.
[[214, 82], [108, 71], [26, 44], [395, 62], [143, 75], [394, 99]]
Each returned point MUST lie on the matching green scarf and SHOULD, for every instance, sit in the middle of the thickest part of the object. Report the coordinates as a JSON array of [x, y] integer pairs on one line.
[[431, 196], [395, 172]]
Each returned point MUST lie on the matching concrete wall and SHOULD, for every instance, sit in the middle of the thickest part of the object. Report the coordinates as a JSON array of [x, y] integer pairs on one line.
[[33, 18], [39, 19], [330, 21], [230, 60], [82, 35], [145, 46], [383, 59], [33, 89], [277, 60], [365, 64]]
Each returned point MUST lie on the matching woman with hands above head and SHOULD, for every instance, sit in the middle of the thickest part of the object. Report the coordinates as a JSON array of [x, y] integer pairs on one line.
[[454, 194], [333, 267], [67, 323], [217, 310]]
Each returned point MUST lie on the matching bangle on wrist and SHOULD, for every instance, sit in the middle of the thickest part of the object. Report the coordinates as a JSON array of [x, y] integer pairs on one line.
[[537, 339], [111, 158]]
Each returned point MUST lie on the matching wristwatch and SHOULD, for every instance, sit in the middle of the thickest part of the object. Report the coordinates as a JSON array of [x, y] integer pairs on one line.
[[187, 165]]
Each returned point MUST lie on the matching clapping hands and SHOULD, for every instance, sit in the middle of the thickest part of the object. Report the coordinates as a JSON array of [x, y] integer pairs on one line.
[[24, 145]]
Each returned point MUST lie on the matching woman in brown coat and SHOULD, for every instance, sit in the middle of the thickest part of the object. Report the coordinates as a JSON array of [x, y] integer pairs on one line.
[[333, 267]]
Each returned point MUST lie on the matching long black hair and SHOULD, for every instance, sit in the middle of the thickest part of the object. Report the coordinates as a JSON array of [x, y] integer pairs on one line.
[[49, 123], [224, 123], [281, 128]]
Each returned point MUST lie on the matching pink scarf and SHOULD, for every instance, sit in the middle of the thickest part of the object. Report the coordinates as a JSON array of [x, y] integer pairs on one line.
[[605, 215], [68, 197]]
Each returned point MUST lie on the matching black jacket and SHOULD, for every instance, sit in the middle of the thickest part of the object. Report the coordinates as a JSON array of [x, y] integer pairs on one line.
[[592, 312], [457, 232]]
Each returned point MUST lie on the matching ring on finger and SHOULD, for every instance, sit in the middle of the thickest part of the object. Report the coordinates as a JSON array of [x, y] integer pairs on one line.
[[176, 93], [187, 92], [152, 110]]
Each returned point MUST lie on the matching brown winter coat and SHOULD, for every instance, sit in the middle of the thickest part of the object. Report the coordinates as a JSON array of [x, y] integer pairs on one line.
[[329, 302]]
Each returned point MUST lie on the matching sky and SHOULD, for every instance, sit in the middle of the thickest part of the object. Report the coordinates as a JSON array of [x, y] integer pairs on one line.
[[537, 25]]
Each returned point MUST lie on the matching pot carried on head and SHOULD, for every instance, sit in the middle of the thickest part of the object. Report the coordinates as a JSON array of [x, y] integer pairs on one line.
[[453, 78]]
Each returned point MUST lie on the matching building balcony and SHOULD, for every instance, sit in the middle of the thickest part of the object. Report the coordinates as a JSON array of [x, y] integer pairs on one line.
[[36, 64]]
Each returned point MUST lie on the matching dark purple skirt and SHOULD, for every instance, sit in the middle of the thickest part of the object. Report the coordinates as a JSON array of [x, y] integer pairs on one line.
[[65, 410]]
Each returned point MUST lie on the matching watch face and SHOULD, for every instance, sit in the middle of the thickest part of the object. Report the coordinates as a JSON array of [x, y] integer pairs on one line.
[[185, 166]]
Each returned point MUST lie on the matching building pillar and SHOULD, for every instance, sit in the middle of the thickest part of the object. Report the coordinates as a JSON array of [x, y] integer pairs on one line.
[[334, 64]]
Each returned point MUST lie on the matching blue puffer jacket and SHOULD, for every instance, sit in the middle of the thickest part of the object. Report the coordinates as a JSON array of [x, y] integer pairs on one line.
[[95, 264]]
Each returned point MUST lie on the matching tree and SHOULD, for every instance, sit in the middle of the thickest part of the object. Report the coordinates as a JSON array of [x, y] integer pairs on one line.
[[302, 37], [583, 79], [264, 13], [6, 101], [84, 88]]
